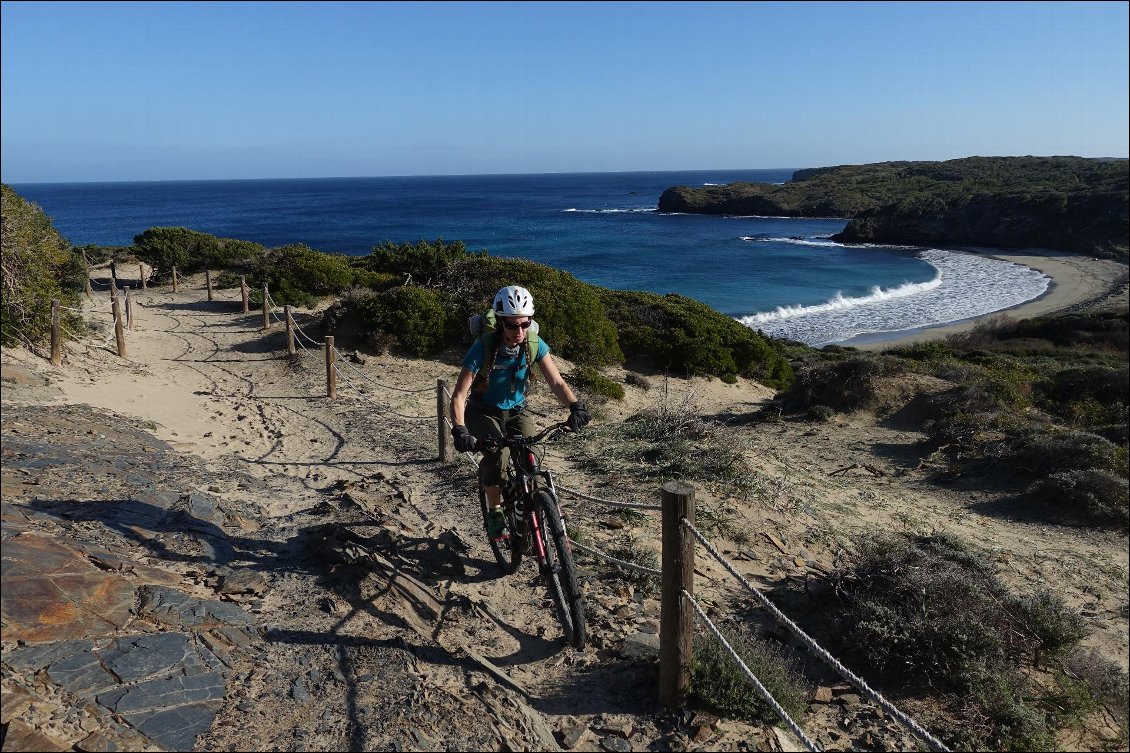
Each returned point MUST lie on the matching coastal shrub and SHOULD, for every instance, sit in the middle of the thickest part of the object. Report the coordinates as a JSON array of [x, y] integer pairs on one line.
[[637, 380], [413, 319], [1089, 395], [37, 264], [821, 413], [299, 275], [1091, 495], [367, 278], [1051, 452], [845, 386], [931, 350], [191, 251], [678, 334], [96, 255], [718, 684], [592, 381], [930, 609], [570, 313], [422, 262]]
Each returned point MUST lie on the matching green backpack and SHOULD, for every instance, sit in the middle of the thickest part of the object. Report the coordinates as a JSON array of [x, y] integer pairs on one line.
[[483, 326]]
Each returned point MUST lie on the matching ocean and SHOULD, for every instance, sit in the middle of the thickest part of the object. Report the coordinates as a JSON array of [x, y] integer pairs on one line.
[[783, 276]]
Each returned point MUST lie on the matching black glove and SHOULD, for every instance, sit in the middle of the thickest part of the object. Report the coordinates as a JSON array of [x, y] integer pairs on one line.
[[578, 416], [463, 440]]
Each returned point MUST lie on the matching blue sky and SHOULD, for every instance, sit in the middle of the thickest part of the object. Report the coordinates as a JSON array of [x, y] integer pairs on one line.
[[168, 91]]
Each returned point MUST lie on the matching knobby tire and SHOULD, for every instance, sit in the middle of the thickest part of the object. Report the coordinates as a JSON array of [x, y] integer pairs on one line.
[[560, 573]]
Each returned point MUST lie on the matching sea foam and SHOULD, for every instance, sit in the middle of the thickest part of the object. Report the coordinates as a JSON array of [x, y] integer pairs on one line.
[[966, 285]]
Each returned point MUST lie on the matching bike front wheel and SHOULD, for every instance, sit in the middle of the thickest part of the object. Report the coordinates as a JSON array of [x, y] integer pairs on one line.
[[507, 550], [559, 570]]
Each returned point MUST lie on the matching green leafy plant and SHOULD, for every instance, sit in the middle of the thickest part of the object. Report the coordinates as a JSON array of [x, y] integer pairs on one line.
[[719, 684], [593, 382], [38, 264]]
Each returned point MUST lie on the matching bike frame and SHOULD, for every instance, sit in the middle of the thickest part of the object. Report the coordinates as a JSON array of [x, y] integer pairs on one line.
[[527, 483]]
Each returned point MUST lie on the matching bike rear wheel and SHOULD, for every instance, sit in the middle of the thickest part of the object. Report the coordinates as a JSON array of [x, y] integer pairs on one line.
[[560, 572], [508, 550]]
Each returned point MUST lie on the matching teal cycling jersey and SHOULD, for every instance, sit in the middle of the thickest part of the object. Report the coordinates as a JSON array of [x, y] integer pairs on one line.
[[506, 384]]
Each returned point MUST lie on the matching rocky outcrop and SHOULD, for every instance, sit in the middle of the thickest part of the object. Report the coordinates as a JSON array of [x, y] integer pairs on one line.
[[1086, 223], [1062, 203]]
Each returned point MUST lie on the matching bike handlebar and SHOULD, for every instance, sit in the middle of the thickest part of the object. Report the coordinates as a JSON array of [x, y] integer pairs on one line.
[[518, 442]]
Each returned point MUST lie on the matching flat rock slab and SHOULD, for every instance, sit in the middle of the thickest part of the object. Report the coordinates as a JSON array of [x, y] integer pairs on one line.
[[172, 607], [52, 592]]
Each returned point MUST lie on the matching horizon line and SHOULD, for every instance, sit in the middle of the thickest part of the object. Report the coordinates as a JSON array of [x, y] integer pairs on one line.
[[550, 172], [417, 175]]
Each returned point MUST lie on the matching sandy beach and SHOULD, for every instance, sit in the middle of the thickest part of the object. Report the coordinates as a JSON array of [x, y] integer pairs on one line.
[[1075, 279]]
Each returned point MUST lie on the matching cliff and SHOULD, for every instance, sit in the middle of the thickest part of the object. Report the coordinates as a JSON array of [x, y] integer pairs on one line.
[[1063, 203]]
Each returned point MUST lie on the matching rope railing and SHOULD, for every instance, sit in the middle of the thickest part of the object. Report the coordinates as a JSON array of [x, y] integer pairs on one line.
[[618, 562], [609, 502], [761, 689], [816, 648]]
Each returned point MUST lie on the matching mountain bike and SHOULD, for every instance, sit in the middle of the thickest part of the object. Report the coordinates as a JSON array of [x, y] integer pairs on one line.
[[535, 527]]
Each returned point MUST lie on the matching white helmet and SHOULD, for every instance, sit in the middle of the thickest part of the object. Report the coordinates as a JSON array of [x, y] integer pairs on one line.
[[513, 301]]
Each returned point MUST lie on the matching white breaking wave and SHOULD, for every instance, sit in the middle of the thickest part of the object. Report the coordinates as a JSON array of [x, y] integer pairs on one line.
[[610, 211], [966, 286], [839, 302]]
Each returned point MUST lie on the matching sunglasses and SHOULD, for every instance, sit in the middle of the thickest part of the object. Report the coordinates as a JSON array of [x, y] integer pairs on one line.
[[512, 326]]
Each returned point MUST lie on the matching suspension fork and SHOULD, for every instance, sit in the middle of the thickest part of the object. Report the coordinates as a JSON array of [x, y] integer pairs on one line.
[[533, 520]]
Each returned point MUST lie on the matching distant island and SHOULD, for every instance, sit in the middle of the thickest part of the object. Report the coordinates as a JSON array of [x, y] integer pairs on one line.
[[1061, 203]]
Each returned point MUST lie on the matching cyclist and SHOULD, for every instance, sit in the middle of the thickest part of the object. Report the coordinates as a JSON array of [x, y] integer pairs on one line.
[[492, 387]]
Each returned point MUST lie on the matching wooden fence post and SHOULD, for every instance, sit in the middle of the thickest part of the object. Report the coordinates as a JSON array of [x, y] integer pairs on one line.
[[676, 618], [141, 275], [208, 282], [56, 340], [441, 425], [113, 288], [289, 330], [119, 331], [266, 310], [174, 278], [243, 292], [89, 287], [129, 309], [331, 372]]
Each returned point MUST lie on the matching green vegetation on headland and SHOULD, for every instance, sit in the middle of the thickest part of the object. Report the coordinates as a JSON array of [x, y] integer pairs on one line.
[[1061, 203]]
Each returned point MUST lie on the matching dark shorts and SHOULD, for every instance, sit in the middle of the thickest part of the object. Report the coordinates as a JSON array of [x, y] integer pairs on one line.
[[492, 422]]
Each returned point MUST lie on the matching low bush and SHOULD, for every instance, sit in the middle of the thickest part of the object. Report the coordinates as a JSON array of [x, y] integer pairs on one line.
[[37, 264], [299, 275], [413, 319], [678, 334], [1048, 452], [846, 385], [928, 612], [718, 683], [1089, 495], [589, 380], [422, 263], [821, 413], [191, 251], [637, 380], [930, 608]]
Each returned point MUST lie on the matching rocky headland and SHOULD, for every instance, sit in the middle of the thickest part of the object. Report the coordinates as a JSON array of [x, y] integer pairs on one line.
[[1061, 203]]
